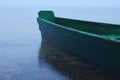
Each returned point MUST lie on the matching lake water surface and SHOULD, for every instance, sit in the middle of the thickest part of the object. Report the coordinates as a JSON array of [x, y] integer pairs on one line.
[[20, 40]]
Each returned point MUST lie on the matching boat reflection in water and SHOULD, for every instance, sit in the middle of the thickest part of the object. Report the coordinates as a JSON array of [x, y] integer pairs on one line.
[[72, 67]]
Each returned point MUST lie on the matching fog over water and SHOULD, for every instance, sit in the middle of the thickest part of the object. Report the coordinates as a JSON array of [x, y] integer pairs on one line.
[[20, 39]]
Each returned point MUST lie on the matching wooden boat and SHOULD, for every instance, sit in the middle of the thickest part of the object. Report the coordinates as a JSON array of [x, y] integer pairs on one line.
[[93, 41]]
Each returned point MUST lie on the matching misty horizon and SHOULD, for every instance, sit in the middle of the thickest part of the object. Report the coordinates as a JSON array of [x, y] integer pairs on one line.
[[62, 3]]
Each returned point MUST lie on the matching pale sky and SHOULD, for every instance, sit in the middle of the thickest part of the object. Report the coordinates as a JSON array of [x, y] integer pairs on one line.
[[79, 3]]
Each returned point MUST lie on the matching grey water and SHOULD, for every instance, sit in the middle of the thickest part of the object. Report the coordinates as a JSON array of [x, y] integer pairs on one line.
[[20, 40]]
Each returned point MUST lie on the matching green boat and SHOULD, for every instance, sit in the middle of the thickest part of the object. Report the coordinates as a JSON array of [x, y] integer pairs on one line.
[[93, 41]]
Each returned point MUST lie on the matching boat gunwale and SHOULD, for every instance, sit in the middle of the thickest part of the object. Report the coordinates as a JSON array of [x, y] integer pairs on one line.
[[92, 22], [80, 31]]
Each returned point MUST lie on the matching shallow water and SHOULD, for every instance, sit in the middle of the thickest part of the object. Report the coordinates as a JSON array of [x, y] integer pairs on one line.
[[74, 68], [20, 40]]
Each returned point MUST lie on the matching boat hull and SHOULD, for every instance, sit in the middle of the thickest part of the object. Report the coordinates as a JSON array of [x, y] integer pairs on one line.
[[95, 49]]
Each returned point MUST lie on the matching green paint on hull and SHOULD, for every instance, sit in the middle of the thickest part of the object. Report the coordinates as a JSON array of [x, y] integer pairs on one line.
[[92, 27], [96, 42]]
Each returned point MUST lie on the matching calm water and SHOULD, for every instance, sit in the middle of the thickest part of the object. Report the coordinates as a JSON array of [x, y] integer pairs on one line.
[[20, 40]]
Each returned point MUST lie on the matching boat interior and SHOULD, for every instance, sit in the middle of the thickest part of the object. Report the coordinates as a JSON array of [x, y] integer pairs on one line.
[[102, 29], [111, 31]]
